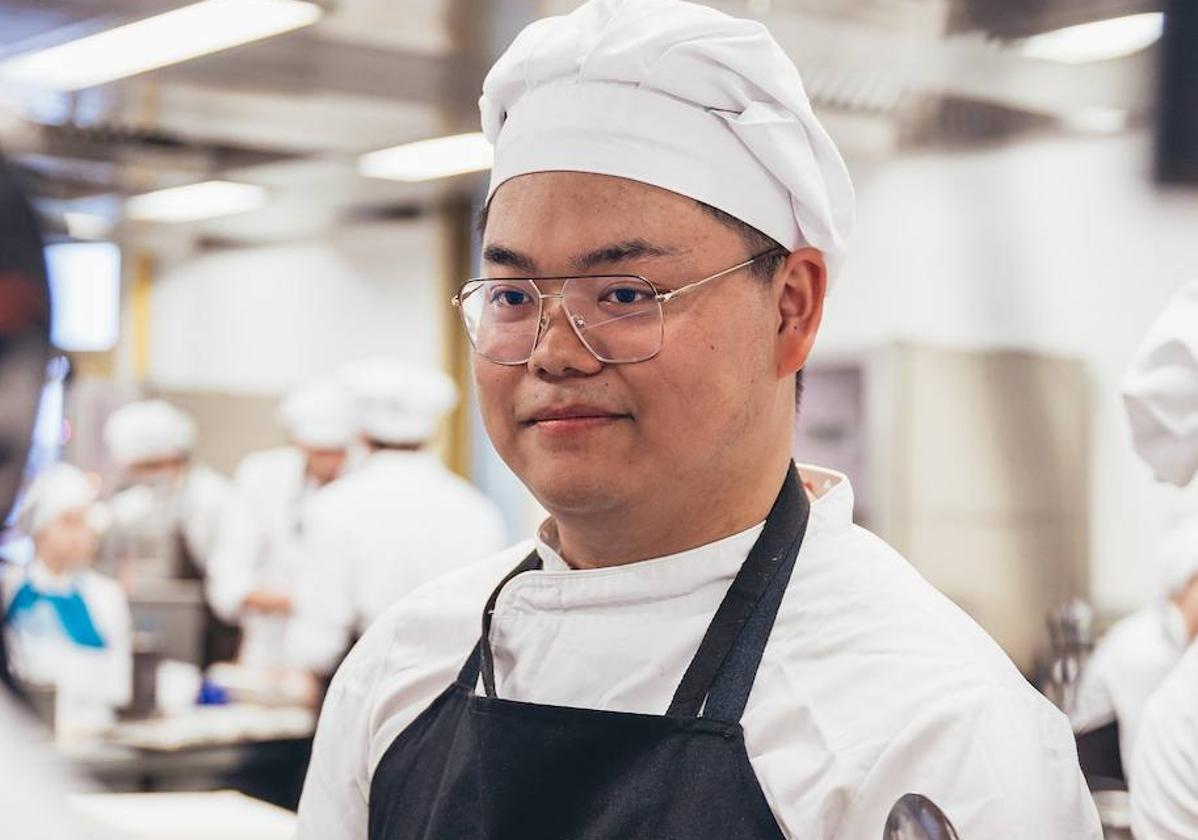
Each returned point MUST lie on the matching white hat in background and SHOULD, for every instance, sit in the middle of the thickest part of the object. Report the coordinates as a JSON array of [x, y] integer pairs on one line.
[[320, 415], [149, 430], [398, 402], [1160, 391], [59, 489], [679, 96], [1179, 553]]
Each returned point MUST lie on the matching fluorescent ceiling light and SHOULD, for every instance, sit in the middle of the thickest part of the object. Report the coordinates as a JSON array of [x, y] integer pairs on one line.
[[154, 42], [1098, 41], [194, 202], [429, 159]]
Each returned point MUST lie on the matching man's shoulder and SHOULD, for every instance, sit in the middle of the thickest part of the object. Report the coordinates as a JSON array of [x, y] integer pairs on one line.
[[872, 606]]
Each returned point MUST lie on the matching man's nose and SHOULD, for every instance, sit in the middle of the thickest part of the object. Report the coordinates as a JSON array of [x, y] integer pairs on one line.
[[559, 352]]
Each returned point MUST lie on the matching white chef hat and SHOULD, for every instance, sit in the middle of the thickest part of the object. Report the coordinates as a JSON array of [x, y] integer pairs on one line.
[[1179, 553], [398, 402], [679, 96], [58, 489], [148, 431], [1160, 391], [319, 414]]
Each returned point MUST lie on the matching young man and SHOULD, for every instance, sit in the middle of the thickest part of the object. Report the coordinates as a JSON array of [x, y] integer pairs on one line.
[[700, 643]]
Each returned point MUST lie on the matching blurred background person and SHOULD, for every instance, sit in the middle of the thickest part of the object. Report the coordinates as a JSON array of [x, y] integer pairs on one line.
[[168, 510], [1139, 651], [1161, 394], [259, 556], [391, 525], [68, 627]]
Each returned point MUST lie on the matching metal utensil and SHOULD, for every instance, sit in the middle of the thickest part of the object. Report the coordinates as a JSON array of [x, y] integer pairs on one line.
[[915, 817]]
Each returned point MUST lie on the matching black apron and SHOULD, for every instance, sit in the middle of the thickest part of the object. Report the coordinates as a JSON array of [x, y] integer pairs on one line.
[[482, 768]]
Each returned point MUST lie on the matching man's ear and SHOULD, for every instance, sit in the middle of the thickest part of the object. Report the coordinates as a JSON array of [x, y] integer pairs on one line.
[[799, 286]]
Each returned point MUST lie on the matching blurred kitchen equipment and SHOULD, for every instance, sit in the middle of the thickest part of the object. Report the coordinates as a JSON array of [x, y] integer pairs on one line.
[[1071, 639]]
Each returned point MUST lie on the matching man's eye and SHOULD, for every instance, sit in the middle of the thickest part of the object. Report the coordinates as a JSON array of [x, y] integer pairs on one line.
[[509, 297], [625, 295]]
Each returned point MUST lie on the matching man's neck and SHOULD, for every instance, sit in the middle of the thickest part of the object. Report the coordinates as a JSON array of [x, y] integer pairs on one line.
[[620, 537]]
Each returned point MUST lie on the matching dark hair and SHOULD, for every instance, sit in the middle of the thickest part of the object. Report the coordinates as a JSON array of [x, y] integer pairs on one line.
[[755, 241]]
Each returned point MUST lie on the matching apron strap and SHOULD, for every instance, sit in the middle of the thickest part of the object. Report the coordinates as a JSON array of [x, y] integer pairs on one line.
[[482, 659], [725, 666], [735, 640]]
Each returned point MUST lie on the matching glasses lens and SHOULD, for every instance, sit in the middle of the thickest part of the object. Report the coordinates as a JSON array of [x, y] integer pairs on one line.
[[502, 318], [618, 318]]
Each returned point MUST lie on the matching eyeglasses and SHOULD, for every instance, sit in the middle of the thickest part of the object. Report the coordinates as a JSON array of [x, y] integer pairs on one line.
[[618, 317]]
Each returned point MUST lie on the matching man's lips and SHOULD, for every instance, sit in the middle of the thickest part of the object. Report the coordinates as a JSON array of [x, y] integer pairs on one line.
[[572, 417]]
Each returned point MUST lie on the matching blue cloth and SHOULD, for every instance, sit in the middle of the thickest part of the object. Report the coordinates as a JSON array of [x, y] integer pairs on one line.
[[71, 609]]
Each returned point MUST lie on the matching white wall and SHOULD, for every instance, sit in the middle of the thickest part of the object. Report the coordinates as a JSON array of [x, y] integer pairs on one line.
[[259, 320], [1057, 245]]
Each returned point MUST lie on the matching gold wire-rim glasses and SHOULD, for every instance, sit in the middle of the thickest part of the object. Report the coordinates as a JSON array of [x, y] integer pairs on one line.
[[475, 284]]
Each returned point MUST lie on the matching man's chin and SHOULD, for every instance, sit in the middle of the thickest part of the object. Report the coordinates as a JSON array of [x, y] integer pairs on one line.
[[564, 489]]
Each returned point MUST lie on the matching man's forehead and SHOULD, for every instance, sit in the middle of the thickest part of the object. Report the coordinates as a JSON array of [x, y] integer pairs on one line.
[[598, 192], [587, 220]]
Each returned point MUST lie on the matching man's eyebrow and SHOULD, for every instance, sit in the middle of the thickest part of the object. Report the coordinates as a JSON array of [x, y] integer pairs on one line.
[[501, 255], [629, 249]]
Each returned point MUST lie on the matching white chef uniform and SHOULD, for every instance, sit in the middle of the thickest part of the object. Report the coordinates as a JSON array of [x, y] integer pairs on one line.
[[872, 685]]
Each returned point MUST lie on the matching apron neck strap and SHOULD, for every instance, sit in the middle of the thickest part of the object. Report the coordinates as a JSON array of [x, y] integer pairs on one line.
[[725, 666], [481, 658]]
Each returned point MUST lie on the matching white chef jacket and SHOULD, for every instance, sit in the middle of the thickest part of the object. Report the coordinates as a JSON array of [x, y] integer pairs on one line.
[[1164, 780], [872, 684], [1128, 665], [260, 546], [91, 682], [395, 523]]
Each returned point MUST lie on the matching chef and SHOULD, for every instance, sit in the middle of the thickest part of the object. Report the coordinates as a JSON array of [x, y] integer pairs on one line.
[[1139, 651], [1161, 396], [259, 554], [167, 517], [379, 533], [699, 643], [166, 493], [65, 625]]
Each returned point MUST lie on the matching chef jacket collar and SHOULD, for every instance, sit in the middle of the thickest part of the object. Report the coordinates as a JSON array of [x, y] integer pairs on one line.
[[832, 502], [51, 582]]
